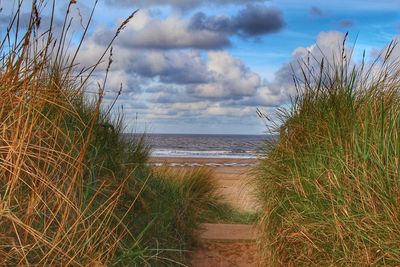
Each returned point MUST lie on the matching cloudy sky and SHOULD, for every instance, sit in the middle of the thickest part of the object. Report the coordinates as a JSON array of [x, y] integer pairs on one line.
[[192, 66]]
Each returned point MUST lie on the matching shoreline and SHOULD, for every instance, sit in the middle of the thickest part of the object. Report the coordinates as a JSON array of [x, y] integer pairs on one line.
[[199, 162]]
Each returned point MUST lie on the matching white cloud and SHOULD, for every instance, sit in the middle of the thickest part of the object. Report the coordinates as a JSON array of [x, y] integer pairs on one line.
[[231, 78]]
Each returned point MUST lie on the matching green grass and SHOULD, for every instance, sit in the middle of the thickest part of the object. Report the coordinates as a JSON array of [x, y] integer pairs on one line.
[[176, 203], [329, 188]]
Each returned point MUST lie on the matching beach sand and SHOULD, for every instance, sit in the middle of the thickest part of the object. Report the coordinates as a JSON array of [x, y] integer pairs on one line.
[[233, 176]]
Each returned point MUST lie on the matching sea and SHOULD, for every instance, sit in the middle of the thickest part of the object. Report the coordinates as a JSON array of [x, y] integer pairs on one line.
[[207, 145]]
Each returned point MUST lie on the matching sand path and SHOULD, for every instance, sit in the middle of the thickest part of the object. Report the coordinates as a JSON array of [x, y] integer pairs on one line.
[[230, 245], [225, 245], [218, 254]]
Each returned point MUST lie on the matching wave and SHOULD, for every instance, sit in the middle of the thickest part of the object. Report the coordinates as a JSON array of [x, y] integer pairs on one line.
[[172, 153]]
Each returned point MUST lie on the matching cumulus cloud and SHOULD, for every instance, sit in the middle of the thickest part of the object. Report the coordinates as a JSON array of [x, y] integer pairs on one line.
[[180, 67], [218, 77], [169, 81], [181, 4], [328, 46], [230, 78], [215, 76], [185, 84]]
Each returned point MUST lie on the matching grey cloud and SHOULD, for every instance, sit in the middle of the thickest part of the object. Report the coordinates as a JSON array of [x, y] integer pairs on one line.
[[24, 20], [200, 32], [316, 11], [200, 21], [162, 34], [220, 77], [346, 23], [251, 21], [257, 20], [169, 96], [178, 67], [156, 37], [188, 77]]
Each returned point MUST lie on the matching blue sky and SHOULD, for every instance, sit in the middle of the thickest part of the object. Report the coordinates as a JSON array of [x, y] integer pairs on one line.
[[191, 66]]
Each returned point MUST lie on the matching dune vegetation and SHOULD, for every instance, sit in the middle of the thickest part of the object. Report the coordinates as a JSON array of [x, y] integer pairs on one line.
[[73, 190], [329, 187]]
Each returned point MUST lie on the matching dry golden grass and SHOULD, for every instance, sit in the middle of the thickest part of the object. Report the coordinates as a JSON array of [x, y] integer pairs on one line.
[[45, 216]]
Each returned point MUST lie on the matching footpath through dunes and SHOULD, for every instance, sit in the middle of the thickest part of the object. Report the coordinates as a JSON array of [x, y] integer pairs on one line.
[[225, 244]]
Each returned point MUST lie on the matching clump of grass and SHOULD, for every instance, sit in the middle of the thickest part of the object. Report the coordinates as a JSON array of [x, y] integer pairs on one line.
[[45, 216], [330, 186], [177, 202], [64, 168]]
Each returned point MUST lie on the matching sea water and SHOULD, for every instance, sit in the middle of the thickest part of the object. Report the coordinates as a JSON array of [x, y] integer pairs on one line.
[[207, 146]]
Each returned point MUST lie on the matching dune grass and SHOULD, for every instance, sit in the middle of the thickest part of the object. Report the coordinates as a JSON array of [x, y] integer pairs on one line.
[[330, 186], [73, 191]]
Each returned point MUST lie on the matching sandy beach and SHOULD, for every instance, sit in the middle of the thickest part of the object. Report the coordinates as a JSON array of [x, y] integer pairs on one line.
[[233, 176]]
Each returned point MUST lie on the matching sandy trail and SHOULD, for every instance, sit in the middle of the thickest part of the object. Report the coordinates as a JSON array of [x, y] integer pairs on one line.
[[225, 245], [218, 254], [228, 232]]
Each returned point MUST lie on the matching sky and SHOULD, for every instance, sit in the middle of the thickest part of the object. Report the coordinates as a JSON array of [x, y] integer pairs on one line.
[[205, 67]]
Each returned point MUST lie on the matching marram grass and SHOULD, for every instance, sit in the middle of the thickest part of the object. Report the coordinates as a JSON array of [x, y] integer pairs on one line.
[[73, 191], [46, 217], [330, 186]]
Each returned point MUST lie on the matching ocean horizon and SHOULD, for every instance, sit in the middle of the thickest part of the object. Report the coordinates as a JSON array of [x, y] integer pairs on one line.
[[206, 145]]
